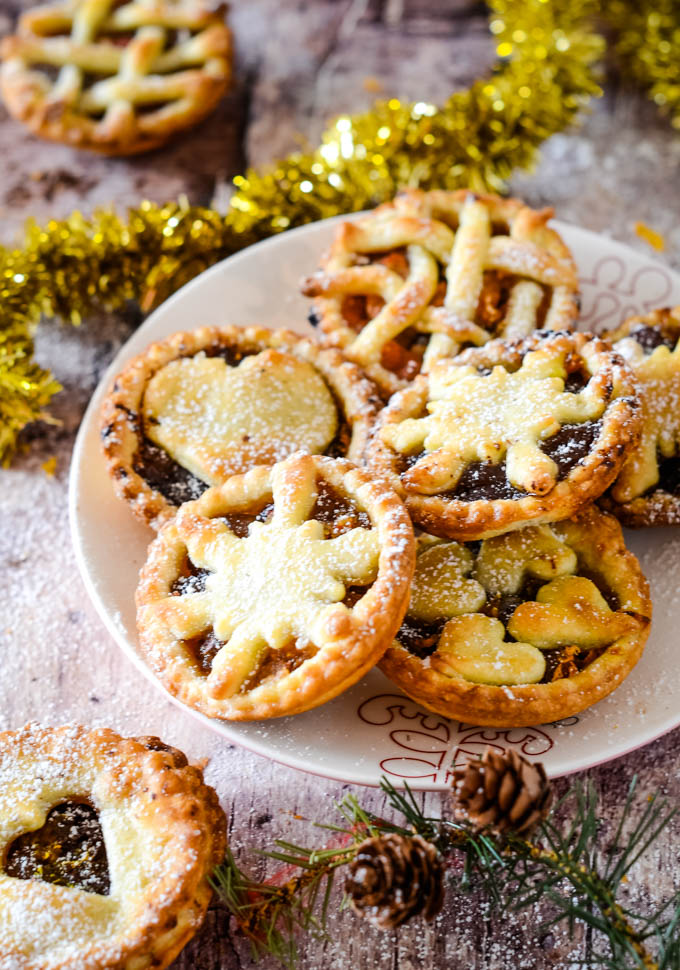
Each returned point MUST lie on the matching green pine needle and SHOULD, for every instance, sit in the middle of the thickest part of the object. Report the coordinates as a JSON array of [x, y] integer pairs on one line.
[[570, 865]]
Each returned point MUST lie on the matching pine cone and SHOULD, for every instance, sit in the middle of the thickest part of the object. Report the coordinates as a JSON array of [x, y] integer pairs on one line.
[[394, 877], [501, 792]]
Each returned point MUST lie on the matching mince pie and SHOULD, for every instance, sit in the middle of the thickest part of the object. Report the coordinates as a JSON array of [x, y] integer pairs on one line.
[[277, 590], [116, 77], [523, 628], [647, 490], [431, 272], [513, 432], [106, 847], [203, 405]]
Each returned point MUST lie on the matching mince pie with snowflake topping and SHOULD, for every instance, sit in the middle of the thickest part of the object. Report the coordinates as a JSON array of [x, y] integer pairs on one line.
[[523, 628], [106, 848], [509, 433], [647, 490], [114, 76], [431, 272], [203, 405], [276, 591]]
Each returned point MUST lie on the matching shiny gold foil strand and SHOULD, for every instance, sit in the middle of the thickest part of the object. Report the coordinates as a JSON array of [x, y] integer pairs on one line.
[[648, 48], [68, 268]]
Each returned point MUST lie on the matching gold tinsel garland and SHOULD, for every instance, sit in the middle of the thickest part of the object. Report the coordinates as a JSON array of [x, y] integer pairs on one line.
[[648, 47], [72, 267]]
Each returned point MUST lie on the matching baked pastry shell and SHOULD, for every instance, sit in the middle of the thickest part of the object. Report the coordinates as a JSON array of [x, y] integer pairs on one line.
[[121, 424], [137, 778], [454, 518], [357, 643], [657, 506], [25, 89], [598, 542], [442, 205]]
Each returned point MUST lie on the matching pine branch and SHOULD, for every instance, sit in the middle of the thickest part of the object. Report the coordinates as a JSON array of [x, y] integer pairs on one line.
[[567, 865]]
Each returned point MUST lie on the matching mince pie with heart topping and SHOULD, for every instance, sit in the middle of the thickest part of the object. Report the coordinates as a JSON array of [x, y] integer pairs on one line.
[[201, 406], [277, 590], [106, 848], [523, 628], [647, 490], [513, 432], [431, 272]]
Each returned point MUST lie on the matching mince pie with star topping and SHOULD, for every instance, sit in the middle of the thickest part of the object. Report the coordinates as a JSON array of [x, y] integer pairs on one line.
[[523, 628], [106, 848], [203, 405], [276, 591], [431, 272], [513, 432], [647, 490]]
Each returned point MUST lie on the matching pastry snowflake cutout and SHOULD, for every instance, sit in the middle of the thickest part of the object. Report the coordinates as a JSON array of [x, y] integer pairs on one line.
[[277, 590], [276, 584], [477, 417]]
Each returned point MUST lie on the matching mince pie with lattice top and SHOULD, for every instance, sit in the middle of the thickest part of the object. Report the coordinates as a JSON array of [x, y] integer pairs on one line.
[[523, 628], [106, 848], [431, 272], [647, 490], [116, 77], [276, 591], [203, 405], [508, 433]]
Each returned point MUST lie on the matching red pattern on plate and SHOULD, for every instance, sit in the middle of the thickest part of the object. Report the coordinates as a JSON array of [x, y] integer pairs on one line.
[[433, 744], [618, 293]]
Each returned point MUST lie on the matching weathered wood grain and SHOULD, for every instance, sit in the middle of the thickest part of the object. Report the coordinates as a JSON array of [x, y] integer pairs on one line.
[[298, 64]]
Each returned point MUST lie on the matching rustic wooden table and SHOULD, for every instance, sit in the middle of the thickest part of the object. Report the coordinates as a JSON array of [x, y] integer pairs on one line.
[[297, 65]]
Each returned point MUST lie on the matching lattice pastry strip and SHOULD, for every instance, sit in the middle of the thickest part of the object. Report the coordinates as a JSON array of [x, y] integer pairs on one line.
[[460, 235], [279, 588], [167, 76]]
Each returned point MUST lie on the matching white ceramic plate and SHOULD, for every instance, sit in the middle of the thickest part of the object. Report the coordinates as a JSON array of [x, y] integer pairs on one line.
[[372, 729]]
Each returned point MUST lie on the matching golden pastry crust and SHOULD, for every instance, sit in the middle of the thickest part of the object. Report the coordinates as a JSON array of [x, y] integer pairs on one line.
[[468, 429], [273, 609], [159, 68], [123, 417], [616, 636], [647, 489], [164, 832], [449, 269]]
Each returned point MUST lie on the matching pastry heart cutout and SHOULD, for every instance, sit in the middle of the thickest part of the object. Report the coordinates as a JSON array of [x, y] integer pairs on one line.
[[569, 611], [473, 647], [440, 586], [504, 561], [217, 421], [68, 850]]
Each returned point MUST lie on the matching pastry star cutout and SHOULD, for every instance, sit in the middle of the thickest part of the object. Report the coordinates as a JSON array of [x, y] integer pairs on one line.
[[659, 376], [488, 417], [282, 581]]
